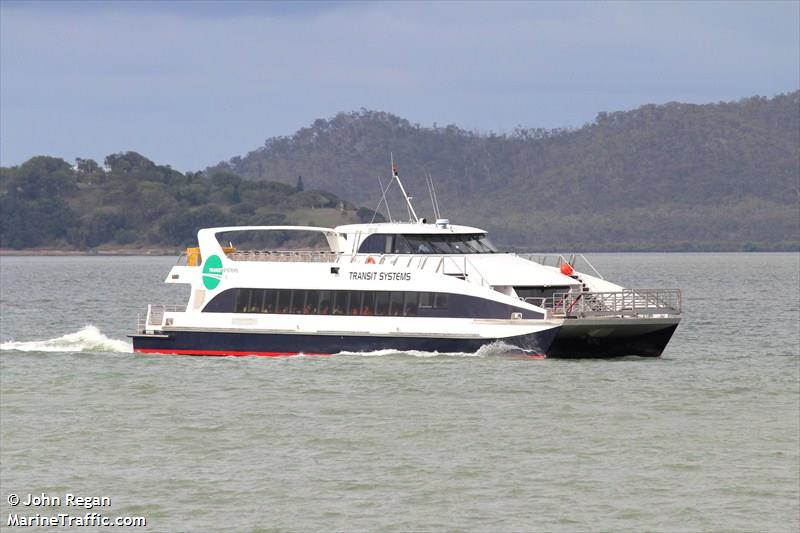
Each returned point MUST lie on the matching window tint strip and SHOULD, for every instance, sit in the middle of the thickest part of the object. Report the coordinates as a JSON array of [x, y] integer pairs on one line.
[[363, 303]]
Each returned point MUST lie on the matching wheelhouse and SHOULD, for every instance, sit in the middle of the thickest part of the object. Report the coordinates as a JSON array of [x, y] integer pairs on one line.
[[427, 243]]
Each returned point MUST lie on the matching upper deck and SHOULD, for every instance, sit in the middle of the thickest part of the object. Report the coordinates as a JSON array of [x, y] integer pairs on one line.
[[442, 226], [440, 238], [537, 280]]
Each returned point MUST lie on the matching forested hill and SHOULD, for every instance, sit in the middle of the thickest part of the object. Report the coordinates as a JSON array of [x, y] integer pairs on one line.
[[673, 176], [130, 202]]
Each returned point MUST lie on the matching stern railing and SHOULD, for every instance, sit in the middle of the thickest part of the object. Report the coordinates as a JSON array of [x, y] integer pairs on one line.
[[141, 322], [155, 316]]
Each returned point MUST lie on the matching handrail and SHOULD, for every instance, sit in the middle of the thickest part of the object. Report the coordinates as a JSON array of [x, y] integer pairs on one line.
[[627, 302], [141, 323], [478, 272], [419, 262], [461, 263], [285, 256], [155, 314], [558, 259], [538, 301]]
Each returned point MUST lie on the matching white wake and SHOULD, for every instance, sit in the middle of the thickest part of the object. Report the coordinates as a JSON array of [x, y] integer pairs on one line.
[[497, 348], [88, 339]]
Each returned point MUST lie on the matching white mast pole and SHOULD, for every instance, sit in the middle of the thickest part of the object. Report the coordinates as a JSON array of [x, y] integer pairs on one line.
[[396, 176]]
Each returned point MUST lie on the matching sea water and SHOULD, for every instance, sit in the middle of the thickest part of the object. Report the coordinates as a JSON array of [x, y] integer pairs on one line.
[[706, 437]]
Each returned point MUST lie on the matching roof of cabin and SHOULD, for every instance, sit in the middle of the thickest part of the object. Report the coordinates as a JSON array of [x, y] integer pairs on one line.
[[407, 228]]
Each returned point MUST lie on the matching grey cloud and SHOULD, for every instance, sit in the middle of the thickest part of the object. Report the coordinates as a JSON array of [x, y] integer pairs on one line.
[[190, 89]]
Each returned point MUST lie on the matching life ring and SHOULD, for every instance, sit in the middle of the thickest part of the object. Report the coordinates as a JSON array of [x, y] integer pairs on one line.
[[370, 260]]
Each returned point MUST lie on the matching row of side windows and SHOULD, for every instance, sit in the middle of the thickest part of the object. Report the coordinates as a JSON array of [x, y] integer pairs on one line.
[[320, 302]]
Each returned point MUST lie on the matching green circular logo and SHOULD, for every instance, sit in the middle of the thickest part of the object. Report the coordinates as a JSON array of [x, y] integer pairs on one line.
[[212, 272]]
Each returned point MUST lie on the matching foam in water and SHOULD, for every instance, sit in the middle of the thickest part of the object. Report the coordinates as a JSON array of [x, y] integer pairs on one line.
[[494, 349], [88, 339], [413, 353]]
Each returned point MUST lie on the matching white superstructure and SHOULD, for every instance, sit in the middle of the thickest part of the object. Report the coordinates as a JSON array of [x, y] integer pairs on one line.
[[413, 285]]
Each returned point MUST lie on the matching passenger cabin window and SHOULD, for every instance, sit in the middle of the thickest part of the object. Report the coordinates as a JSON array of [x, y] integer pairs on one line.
[[469, 243], [361, 303], [314, 302], [395, 303]]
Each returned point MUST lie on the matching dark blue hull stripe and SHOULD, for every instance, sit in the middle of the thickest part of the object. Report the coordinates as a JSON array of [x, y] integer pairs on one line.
[[219, 343]]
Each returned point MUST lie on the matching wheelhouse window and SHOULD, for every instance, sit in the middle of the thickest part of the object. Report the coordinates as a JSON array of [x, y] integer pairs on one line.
[[412, 243], [374, 244]]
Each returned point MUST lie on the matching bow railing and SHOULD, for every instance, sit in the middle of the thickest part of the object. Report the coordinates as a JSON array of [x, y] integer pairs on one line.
[[627, 302], [576, 261]]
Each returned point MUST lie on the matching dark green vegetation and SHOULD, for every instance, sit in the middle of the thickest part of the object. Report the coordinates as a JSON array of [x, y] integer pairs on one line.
[[46, 202], [671, 177], [662, 177]]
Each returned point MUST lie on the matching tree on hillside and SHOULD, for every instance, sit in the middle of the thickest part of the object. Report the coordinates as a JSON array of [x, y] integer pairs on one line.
[[86, 166], [47, 202], [127, 162], [33, 205], [228, 184], [673, 154]]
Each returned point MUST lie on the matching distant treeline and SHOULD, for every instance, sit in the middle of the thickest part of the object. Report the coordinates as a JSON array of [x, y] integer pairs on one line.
[[132, 202], [722, 176], [676, 176]]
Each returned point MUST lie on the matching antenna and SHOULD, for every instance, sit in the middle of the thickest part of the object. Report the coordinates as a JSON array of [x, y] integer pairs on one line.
[[430, 192], [435, 200], [382, 200], [412, 214]]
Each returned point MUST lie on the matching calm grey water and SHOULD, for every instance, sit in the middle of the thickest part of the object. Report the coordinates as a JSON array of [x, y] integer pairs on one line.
[[706, 438]]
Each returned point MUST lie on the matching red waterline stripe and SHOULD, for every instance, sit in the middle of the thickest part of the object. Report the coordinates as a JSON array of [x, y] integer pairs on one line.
[[224, 352]]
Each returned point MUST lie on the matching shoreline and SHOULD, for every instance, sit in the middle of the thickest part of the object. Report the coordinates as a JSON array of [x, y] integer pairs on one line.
[[45, 252], [165, 252]]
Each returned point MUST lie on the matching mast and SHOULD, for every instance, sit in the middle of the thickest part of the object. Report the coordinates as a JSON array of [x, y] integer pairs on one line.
[[407, 198]]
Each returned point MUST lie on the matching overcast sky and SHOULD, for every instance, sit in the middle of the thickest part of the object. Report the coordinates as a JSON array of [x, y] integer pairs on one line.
[[193, 83]]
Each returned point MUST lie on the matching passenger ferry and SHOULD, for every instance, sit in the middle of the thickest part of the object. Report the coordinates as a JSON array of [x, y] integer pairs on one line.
[[435, 287]]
